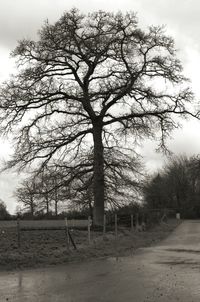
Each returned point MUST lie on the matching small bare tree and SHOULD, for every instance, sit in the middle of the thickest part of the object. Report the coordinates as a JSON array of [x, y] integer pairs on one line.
[[26, 196]]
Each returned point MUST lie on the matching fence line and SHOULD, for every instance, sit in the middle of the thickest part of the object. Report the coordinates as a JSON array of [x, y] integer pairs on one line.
[[135, 222]]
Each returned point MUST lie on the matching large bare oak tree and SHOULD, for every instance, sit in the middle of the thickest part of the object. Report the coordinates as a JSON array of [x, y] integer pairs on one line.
[[87, 81]]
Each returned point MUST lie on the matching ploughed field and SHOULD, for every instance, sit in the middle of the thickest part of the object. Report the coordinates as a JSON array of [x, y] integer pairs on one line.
[[36, 247], [49, 247]]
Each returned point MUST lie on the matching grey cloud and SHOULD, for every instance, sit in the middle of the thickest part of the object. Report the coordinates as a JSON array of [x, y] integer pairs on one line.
[[22, 19], [184, 141], [180, 18], [187, 139]]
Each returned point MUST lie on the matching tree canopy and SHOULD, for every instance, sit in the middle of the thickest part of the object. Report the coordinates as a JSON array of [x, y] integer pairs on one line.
[[89, 81]]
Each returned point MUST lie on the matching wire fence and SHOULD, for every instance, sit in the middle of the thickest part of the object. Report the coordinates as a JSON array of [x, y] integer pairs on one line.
[[113, 222]]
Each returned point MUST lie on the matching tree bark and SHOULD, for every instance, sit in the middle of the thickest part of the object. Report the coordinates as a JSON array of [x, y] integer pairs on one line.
[[32, 207], [56, 208], [56, 201], [98, 184], [47, 204]]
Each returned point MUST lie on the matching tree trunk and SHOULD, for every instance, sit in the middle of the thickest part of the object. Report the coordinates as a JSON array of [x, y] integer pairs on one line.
[[56, 208], [98, 184], [56, 195], [47, 204], [32, 207]]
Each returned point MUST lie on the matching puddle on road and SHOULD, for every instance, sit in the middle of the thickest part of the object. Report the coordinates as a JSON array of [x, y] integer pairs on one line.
[[183, 251], [179, 262], [182, 257]]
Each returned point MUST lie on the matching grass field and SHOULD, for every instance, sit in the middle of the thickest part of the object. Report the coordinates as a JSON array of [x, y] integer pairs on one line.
[[49, 247]]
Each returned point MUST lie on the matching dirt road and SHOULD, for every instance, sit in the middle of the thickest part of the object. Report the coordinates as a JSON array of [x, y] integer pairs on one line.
[[168, 272]]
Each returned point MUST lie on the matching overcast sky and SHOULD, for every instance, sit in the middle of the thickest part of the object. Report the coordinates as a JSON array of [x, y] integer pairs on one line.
[[23, 18]]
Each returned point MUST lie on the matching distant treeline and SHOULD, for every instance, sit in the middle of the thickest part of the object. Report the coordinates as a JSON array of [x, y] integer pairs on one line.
[[176, 186]]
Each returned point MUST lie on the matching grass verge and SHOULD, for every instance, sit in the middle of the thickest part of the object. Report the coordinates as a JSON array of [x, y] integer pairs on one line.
[[44, 248]]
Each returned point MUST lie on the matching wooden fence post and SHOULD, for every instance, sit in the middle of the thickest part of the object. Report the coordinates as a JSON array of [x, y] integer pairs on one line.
[[132, 223], [104, 226], [18, 233], [116, 225], [89, 233]]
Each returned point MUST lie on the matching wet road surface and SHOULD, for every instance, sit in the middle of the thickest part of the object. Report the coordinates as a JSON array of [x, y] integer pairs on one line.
[[168, 272]]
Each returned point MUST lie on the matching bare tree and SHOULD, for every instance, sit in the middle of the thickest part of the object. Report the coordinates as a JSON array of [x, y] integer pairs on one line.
[[87, 81], [41, 192], [26, 196], [51, 190]]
